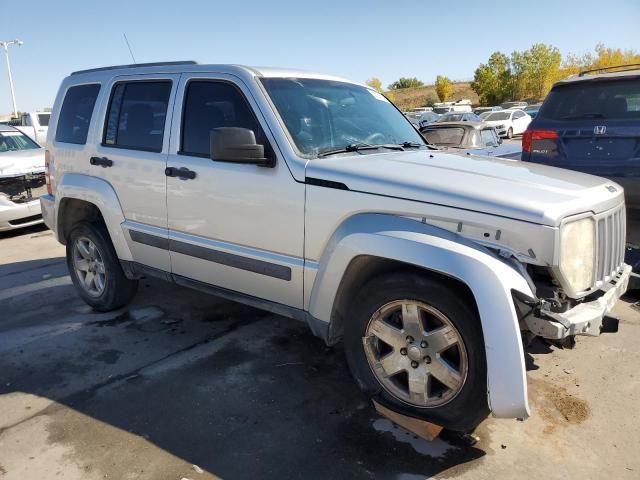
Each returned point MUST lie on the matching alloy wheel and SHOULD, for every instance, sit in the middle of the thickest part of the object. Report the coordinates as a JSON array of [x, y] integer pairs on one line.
[[416, 353]]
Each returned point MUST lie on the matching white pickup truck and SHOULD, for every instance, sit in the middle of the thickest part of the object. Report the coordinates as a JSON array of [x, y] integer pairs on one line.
[[35, 125]]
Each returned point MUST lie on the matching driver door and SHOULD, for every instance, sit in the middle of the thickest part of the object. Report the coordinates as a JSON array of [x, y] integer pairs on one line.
[[236, 226]]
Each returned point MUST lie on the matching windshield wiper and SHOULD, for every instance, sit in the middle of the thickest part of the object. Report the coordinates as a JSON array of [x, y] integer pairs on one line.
[[582, 115], [356, 147]]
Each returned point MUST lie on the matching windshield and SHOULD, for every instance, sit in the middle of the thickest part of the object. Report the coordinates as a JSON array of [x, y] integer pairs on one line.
[[441, 110], [324, 115], [451, 117], [498, 116], [14, 141], [444, 136], [611, 99]]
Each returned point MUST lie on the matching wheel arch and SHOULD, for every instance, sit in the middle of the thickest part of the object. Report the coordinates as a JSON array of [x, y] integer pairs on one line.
[[369, 244], [86, 198]]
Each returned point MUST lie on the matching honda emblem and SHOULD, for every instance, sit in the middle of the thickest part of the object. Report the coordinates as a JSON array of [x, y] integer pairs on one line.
[[599, 129]]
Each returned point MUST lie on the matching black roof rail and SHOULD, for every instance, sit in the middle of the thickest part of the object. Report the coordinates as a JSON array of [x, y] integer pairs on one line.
[[134, 65], [623, 68]]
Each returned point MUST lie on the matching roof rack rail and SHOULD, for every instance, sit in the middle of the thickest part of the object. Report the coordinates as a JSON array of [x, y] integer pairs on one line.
[[134, 65], [623, 68]]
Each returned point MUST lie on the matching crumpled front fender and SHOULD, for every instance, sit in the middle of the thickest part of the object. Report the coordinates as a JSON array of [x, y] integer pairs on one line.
[[489, 278]]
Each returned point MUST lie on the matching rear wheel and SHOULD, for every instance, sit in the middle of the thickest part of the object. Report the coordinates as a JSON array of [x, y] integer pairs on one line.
[[95, 269], [418, 346]]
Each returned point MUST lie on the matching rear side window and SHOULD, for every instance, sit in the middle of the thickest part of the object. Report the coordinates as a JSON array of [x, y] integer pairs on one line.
[[137, 114], [488, 137], [444, 136], [43, 119], [75, 114], [213, 104], [608, 99]]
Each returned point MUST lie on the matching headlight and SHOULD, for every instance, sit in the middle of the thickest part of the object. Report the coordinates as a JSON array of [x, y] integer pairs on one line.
[[500, 127], [577, 253]]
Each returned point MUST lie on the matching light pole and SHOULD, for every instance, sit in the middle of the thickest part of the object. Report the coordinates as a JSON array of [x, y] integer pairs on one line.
[[5, 46]]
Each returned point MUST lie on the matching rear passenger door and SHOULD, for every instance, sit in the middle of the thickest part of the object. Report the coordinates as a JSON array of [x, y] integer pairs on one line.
[[132, 155]]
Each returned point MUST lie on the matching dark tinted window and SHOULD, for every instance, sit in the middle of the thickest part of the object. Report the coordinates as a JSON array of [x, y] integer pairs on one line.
[[137, 114], [43, 119], [75, 114], [210, 105], [14, 141], [610, 99]]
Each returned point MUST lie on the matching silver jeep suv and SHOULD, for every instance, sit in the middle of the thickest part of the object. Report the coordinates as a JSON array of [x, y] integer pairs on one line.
[[315, 198]]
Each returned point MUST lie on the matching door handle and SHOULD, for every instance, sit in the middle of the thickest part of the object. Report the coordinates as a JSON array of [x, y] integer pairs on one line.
[[183, 173], [103, 162]]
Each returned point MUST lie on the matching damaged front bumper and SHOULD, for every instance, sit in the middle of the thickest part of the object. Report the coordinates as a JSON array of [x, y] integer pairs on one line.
[[585, 318]]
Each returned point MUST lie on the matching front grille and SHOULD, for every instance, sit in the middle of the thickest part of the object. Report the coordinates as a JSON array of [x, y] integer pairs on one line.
[[24, 188], [610, 246]]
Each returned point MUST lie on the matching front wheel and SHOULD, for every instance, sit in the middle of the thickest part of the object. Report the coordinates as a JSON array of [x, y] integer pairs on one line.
[[510, 133], [418, 345], [95, 269]]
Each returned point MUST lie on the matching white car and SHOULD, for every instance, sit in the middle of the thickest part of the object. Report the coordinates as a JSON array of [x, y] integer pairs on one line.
[[313, 197], [508, 122], [22, 179]]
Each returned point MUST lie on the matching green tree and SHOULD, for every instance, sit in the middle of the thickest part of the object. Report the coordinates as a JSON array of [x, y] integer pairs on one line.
[[535, 70], [375, 83], [491, 81], [404, 82], [430, 99], [444, 88]]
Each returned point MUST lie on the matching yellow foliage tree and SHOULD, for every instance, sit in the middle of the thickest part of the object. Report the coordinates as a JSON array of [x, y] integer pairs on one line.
[[444, 88]]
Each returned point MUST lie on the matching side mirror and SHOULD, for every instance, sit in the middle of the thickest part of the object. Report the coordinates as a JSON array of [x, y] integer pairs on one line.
[[236, 145]]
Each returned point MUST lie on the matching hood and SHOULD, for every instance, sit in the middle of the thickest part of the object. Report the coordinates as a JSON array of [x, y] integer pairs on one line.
[[21, 162], [520, 190]]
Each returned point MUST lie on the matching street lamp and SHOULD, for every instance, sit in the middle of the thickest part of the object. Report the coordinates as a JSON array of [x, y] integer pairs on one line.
[[5, 46]]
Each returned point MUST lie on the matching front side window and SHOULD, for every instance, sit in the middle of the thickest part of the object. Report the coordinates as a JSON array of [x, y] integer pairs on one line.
[[137, 115], [14, 141], [214, 104], [325, 115], [75, 114]]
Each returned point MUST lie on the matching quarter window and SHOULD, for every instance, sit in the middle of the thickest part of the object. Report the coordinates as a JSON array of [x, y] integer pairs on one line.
[[137, 114], [75, 114], [210, 105], [488, 137]]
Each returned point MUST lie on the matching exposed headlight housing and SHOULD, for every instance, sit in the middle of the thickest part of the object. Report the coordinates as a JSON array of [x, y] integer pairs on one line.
[[578, 254]]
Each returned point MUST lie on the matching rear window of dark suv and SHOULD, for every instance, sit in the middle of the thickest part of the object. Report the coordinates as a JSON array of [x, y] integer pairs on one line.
[[617, 99]]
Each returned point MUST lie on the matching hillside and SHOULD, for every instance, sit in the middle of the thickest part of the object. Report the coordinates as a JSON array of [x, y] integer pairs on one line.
[[408, 98]]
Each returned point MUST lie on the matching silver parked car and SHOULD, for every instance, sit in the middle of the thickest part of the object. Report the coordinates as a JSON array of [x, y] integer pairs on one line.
[[472, 138], [22, 179], [313, 197]]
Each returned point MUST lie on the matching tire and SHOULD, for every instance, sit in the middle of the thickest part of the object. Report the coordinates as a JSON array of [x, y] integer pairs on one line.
[[510, 133], [114, 290], [461, 408]]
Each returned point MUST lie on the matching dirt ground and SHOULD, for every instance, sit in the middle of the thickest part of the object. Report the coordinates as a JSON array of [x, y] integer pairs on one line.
[[181, 385]]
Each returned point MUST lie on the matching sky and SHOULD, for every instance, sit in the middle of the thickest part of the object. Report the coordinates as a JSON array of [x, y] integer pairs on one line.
[[355, 39]]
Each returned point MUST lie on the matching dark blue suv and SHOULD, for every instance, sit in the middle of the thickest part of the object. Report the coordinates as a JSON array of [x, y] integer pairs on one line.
[[591, 123]]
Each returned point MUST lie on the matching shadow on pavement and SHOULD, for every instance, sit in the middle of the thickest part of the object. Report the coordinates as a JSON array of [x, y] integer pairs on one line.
[[239, 392]]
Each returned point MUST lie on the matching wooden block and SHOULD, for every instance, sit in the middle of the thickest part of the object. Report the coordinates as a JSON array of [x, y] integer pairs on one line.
[[422, 428]]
